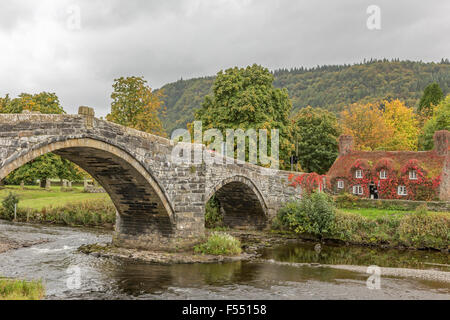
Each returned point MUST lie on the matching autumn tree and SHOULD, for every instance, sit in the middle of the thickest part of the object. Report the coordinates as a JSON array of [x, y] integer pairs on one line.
[[389, 126], [432, 96], [402, 125], [366, 124], [135, 105], [245, 98], [439, 121], [316, 132]]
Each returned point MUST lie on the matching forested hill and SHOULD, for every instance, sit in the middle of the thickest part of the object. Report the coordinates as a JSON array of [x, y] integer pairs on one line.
[[330, 87]]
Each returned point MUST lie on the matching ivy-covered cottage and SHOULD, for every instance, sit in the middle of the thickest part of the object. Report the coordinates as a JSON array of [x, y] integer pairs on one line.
[[408, 175]]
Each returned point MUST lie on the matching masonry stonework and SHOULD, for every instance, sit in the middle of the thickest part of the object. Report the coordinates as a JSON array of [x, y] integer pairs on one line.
[[160, 204]]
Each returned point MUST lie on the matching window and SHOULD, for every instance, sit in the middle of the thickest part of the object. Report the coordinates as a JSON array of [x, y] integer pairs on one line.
[[358, 189], [358, 174], [383, 174], [402, 191], [412, 175], [340, 184]]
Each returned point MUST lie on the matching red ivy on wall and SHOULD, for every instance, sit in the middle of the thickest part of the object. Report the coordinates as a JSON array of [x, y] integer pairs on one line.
[[309, 182], [422, 188]]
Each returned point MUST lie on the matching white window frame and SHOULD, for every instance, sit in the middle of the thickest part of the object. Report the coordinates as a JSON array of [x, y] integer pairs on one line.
[[412, 175], [358, 174], [358, 189], [383, 174], [401, 191], [340, 184]]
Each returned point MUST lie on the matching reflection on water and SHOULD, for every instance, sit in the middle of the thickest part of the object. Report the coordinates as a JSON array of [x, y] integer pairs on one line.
[[363, 256], [109, 279]]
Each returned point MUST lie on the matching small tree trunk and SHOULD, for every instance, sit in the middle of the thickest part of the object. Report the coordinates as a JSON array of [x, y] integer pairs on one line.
[[42, 183], [22, 185]]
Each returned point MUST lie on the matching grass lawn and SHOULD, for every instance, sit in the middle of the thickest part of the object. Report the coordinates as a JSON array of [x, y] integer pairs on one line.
[[374, 213], [21, 290], [36, 198]]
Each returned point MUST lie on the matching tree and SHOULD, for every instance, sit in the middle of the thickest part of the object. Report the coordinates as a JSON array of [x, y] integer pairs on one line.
[[403, 126], [431, 97], [387, 126], [46, 166], [135, 105], [245, 98], [43, 102], [316, 131], [366, 124], [439, 121]]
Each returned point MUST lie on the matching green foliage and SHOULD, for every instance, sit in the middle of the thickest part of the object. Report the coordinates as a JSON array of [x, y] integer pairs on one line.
[[346, 200], [425, 230], [329, 87], [316, 130], [47, 166], [213, 217], [246, 99], [220, 243], [439, 121], [21, 290], [135, 105], [43, 102], [432, 95], [422, 209], [314, 215], [8, 205]]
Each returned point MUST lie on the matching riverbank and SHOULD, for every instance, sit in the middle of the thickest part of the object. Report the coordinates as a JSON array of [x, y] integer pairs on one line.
[[9, 244]]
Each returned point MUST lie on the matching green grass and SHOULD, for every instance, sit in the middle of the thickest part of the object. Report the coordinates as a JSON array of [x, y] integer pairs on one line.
[[21, 290], [37, 198], [220, 243], [373, 213]]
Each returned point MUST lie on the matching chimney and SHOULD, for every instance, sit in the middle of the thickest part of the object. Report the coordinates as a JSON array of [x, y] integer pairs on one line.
[[441, 142], [345, 145]]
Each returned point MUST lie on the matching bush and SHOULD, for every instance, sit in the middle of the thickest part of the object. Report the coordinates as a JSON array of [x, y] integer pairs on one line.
[[220, 243], [213, 217], [314, 214], [346, 200], [425, 231], [9, 204]]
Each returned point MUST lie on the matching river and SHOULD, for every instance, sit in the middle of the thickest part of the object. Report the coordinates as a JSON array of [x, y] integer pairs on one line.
[[277, 275]]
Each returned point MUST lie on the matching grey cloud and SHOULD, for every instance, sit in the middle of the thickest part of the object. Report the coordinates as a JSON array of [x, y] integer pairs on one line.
[[166, 40]]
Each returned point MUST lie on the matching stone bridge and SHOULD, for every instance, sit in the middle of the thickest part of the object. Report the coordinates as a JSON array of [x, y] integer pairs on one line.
[[159, 204]]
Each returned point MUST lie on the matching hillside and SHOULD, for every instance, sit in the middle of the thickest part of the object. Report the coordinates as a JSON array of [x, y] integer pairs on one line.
[[330, 87]]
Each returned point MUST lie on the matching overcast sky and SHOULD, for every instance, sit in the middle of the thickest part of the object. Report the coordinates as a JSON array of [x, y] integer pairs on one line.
[[76, 48]]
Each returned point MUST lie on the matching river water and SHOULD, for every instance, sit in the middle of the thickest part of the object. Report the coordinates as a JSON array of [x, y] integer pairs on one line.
[[57, 262]]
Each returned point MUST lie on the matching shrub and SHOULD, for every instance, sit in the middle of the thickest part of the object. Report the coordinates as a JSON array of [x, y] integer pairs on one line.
[[213, 217], [425, 231], [314, 215], [9, 204], [422, 209], [220, 243], [346, 200]]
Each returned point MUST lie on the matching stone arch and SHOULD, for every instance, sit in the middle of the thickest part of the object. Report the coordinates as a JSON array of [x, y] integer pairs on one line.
[[143, 207], [242, 203]]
